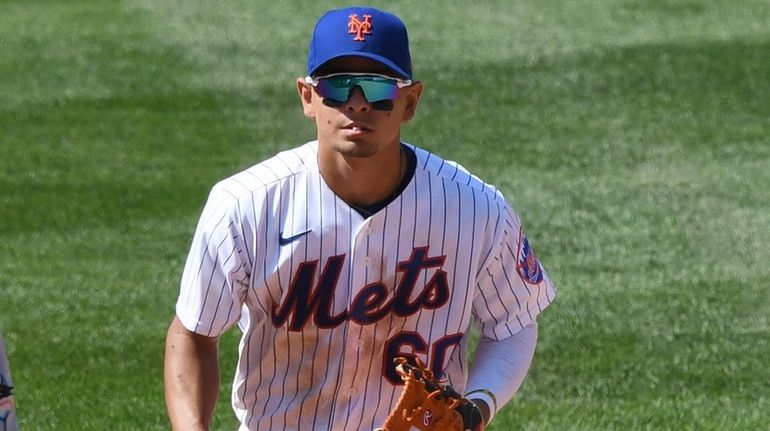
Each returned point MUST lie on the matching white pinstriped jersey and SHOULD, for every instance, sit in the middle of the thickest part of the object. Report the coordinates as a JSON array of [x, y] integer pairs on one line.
[[326, 298]]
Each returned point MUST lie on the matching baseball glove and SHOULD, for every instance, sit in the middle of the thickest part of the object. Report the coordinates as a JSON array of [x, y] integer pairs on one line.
[[428, 405]]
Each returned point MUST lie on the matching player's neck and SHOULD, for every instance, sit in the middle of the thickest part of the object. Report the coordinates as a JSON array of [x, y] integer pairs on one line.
[[365, 181]]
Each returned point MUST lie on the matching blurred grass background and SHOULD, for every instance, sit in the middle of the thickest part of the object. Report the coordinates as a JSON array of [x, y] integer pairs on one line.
[[632, 136]]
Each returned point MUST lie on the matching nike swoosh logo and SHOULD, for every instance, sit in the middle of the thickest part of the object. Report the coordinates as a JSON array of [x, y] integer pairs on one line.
[[284, 241]]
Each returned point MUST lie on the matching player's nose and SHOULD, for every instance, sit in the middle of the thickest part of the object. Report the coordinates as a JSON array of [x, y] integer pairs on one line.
[[357, 101]]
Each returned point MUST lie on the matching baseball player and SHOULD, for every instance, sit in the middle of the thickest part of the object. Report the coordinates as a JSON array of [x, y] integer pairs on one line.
[[337, 256], [7, 405]]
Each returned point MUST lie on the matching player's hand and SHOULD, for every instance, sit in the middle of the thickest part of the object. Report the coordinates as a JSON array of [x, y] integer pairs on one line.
[[429, 405], [472, 412]]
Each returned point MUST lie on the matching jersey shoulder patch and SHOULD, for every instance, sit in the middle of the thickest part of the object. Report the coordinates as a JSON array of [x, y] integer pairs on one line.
[[527, 263]]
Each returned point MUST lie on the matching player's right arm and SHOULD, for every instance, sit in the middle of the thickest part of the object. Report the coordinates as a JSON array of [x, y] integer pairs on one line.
[[191, 376]]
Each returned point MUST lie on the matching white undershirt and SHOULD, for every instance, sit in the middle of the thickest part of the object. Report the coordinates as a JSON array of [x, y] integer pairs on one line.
[[500, 367]]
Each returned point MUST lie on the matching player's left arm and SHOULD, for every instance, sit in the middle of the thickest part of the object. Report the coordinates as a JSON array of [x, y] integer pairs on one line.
[[499, 369], [512, 289]]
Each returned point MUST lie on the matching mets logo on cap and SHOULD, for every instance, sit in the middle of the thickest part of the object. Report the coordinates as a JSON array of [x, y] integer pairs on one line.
[[360, 28], [527, 263]]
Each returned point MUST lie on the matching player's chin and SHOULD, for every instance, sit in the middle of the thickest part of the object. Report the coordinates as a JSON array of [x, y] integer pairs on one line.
[[358, 148]]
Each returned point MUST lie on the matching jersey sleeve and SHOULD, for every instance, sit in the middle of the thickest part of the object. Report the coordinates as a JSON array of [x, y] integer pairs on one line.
[[216, 272], [512, 287]]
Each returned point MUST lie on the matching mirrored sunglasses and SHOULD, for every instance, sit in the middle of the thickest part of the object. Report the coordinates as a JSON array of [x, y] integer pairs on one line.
[[376, 88]]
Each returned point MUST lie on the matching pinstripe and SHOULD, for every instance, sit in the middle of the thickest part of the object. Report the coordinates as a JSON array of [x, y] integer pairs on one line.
[[509, 285], [468, 281], [507, 314], [358, 356], [222, 288], [358, 352], [246, 254], [515, 296], [456, 251], [417, 185], [328, 352], [398, 247], [433, 317], [305, 257], [321, 248], [445, 230], [247, 340], [266, 402], [200, 266], [265, 272], [290, 218], [486, 257], [483, 295], [208, 287], [338, 381], [386, 218], [429, 193], [523, 283]]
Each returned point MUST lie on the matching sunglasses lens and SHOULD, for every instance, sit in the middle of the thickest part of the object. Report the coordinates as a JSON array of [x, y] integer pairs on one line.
[[379, 90], [375, 88], [333, 88]]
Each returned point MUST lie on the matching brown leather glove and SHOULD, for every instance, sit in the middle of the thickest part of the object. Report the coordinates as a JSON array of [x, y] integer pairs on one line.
[[428, 405]]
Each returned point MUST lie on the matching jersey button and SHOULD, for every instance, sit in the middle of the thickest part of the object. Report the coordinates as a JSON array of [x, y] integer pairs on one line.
[[367, 261]]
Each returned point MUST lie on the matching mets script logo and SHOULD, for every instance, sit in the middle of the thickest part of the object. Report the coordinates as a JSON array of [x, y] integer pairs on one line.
[[308, 300], [360, 28], [422, 284]]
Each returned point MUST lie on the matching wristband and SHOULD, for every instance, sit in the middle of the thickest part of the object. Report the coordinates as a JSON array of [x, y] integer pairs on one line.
[[486, 396]]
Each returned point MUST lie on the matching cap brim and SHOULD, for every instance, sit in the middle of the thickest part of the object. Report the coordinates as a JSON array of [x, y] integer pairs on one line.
[[378, 58]]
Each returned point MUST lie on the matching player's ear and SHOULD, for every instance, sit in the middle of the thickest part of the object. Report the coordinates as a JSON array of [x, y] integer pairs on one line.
[[413, 93], [305, 91]]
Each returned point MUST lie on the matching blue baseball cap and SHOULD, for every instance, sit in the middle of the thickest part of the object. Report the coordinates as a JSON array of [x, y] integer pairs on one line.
[[361, 32]]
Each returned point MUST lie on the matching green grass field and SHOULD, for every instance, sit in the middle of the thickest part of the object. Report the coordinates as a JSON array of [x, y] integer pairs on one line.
[[632, 136]]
